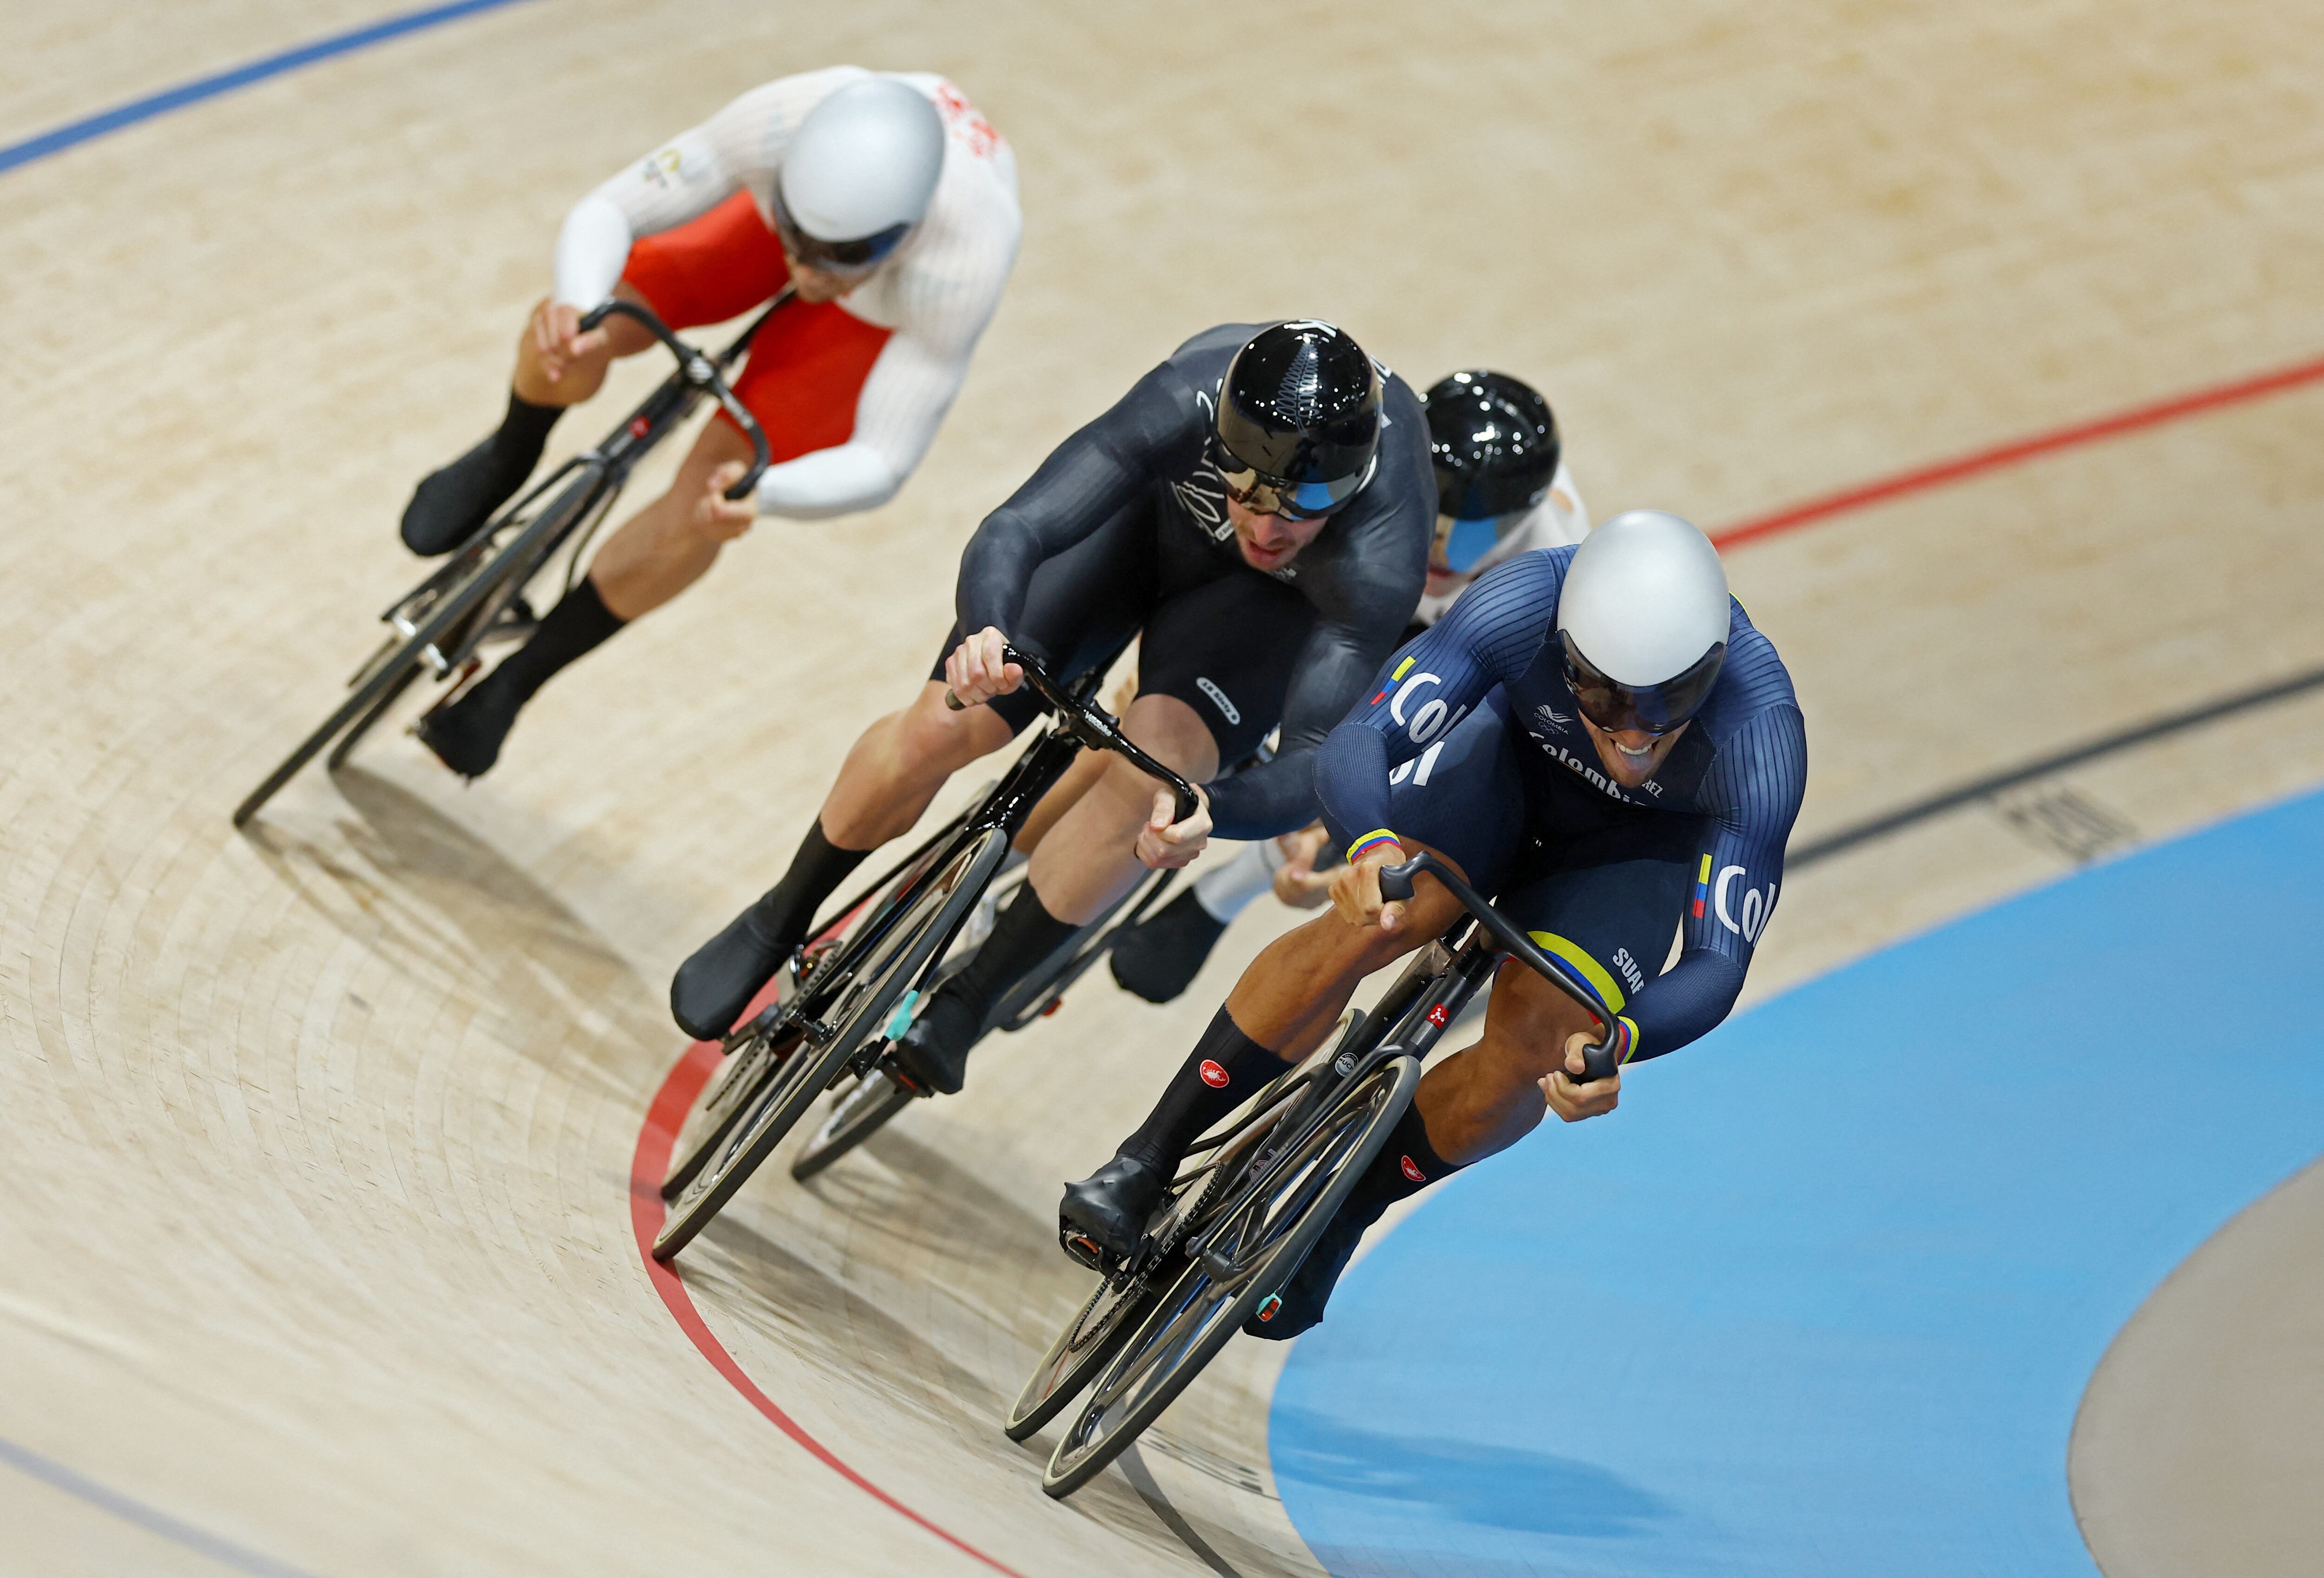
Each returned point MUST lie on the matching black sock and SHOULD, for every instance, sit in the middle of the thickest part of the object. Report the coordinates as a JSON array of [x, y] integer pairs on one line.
[[1406, 1164], [524, 434], [1024, 935], [783, 914], [1218, 1077], [578, 623]]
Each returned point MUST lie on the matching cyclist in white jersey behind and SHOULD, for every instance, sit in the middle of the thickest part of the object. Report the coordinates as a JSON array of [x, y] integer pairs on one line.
[[1502, 489], [885, 203]]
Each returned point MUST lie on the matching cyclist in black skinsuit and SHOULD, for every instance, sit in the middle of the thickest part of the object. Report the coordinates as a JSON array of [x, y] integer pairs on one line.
[[1259, 506]]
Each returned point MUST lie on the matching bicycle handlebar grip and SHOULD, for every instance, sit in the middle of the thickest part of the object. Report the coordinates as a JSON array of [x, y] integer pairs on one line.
[[1598, 1061], [1396, 881]]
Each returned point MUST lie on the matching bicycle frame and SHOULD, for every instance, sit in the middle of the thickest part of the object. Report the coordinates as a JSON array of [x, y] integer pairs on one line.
[[437, 626], [1076, 723], [1424, 1000], [603, 471]]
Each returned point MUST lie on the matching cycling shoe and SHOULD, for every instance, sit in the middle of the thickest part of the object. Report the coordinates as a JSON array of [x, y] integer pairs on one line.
[[1114, 1203], [934, 1053], [1158, 958], [466, 736], [1298, 1305], [712, 987], [452, 501]]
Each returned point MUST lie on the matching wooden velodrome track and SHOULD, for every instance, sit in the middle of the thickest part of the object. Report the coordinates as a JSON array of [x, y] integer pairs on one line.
[[317, 1254]]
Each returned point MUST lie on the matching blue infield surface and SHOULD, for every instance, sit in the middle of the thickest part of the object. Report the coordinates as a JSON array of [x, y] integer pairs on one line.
[[1822, 1298]]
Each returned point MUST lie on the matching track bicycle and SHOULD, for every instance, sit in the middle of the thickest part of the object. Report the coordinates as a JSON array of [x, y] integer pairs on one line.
[[478, 594], [846, 996], [860, 1109], [1252, 1199]]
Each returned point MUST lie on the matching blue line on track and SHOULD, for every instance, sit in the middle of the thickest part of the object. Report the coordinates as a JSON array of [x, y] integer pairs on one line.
[[73, 133], [176, 1530], [1822, 1299]]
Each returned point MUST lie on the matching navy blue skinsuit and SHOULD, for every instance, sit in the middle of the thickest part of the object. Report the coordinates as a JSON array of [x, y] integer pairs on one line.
[[1505, 781]]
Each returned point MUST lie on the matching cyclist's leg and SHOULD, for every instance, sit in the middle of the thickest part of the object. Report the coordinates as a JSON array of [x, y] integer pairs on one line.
[[1245, 631], [452, 501], [1607, 899], [1466, 804], [468, 735], [805, 370], [1083, 604], [706, 270]]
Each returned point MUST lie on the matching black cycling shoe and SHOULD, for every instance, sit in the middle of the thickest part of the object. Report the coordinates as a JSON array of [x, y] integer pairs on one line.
[[1159, 957], [452, 501], [1112, 1205], [934, 1053], [466, 736], [713, 987], [1299, 1306]]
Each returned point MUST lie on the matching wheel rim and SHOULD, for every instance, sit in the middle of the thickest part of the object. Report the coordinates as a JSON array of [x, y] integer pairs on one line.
[[744, 1073], [1100, 1318], [794, 1082], [1187, 1318]]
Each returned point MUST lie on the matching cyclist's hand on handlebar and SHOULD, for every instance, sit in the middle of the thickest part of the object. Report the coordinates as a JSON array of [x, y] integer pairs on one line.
[[1165, 845], [726, 518], [975, 672], [557, 336], [1569, 1097], [1356, 889]]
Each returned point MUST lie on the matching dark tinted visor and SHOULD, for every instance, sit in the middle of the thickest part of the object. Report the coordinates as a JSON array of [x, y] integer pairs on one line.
[[1653, 709], [837, 257], [1294, 500]]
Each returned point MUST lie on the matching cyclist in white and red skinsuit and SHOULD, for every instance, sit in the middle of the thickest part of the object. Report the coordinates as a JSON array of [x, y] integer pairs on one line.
[[900, 230]]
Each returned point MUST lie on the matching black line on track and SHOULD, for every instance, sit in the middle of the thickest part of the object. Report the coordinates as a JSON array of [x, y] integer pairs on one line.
[[1937, 805], [1141, 1480]]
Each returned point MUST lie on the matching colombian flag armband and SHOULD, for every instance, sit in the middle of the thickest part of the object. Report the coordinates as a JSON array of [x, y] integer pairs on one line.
[[1372, 840]]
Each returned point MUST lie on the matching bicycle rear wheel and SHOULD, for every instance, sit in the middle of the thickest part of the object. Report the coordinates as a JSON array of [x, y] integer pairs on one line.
[[456, 602], [363, 725], [741, 1076], [1261, 1238], [1097, 1331], [861, 1111], [369, 700], [864, 1003]]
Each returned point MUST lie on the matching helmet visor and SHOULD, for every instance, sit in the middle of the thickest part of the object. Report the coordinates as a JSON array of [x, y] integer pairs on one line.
[[1649, 709], [1462, 544], [1294, 500], [834, 257]]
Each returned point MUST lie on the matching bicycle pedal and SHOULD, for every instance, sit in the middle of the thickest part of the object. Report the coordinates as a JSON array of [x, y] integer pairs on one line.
[[457, 686]]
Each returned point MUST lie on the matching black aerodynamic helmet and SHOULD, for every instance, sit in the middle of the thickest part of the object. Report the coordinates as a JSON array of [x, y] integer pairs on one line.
[[1493, 440], [1299, 419]]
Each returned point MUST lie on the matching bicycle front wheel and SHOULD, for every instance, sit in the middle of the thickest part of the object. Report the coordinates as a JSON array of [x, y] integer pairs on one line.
[[1265, 1230], [859, 1007]]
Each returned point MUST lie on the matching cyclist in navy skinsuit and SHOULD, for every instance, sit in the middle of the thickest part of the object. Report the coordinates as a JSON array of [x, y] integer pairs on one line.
[[1604, 813]]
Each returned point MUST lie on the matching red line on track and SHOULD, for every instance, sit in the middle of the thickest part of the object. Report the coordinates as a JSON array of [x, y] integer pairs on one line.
[[648, 1166], [2001, 455]]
